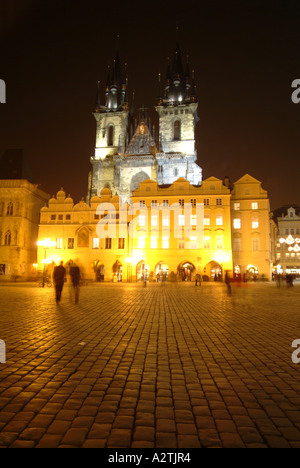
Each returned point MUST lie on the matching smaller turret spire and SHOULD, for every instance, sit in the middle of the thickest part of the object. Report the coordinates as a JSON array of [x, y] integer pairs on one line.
[[98, 104], [159, 91]]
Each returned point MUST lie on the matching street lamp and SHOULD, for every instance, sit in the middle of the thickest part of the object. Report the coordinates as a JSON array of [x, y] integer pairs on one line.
[[46, 244]]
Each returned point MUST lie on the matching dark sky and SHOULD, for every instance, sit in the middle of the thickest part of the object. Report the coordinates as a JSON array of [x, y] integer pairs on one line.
[[245, 55]]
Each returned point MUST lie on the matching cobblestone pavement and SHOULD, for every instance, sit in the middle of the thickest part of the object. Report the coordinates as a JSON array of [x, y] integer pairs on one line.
[[166, 366]]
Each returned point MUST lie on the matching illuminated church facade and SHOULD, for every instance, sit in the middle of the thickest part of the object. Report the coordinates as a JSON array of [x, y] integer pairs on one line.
[[129, 151], [138, 166]]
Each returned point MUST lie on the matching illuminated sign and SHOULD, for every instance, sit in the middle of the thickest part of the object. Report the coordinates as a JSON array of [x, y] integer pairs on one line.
[[293, 243]]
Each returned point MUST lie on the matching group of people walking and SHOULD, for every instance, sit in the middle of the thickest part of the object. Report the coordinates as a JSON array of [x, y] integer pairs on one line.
[[59, 278]]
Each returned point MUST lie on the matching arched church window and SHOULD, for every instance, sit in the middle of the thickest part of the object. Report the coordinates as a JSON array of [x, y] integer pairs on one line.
[[7, 238], [177, 129], [10, 209], [110, 136]]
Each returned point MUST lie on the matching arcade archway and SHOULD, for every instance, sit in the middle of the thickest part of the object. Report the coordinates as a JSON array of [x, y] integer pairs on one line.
[[142, 271], [213, 271], [99, 270], [118, 271], [185, 271], [161, 272], [252, 272]]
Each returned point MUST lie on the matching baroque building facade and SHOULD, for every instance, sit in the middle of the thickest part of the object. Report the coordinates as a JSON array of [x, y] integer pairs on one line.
[[148, 213], [169, 232]]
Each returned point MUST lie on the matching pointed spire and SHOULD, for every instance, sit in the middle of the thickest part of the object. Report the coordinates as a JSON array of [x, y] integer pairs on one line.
[[193, 88], [159, 91], [108, 78], [117, 85], [97, 106], [177, 70], [132, 108], [187, 69], [168, 71]]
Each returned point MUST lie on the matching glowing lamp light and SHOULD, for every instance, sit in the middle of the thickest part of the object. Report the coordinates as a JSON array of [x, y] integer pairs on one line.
[[46, 243]]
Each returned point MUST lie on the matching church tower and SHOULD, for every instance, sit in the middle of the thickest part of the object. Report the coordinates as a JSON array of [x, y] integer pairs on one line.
[[111, 128], [177, 111]]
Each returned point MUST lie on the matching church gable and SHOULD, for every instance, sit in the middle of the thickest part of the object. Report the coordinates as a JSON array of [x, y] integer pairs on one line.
[[142, 141]]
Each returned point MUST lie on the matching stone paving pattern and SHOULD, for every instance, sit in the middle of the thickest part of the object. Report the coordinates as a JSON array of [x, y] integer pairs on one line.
[[166, 366]]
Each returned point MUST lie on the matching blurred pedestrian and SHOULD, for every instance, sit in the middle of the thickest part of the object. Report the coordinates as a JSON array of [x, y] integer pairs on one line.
[[59, 274], [198, 279], [75, 277], [227, 281], [278, 280], [289, 280]]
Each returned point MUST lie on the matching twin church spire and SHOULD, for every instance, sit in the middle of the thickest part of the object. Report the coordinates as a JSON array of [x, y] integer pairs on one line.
[[116, 96], [179, 87], [131, 147]]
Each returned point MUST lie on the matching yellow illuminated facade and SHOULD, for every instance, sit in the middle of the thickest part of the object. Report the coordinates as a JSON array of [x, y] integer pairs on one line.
[[252, 232], [169, 232]]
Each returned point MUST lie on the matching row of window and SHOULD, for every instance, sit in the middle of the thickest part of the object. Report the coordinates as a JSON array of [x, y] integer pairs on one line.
[[7, 238], [237, 245], [181, 220], [237, 223], [8, 211], [182, 202], [219, 221], [289, 255], [154, 242], [154, 203], [289, 231], [176, 112], [237, 206], [95, 243], [67, 217]]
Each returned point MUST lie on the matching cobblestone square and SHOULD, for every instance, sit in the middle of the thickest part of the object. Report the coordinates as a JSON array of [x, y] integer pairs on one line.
[[162, 366]]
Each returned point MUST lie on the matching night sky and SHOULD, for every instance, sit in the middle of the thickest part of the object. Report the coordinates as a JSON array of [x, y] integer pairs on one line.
[[245, 55]]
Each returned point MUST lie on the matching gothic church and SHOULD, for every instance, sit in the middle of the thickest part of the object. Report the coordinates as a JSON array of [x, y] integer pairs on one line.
[[129, 150]]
